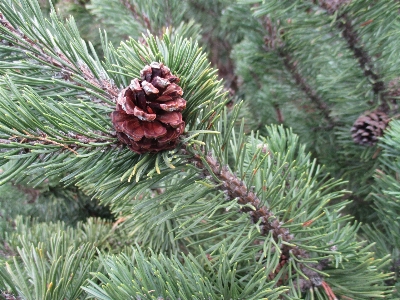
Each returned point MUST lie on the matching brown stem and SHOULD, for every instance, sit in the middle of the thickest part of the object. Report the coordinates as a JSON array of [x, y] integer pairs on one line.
[[273, 42], [279, 114], [302, 83], [43, 139], [48, 141], [259, 214], [353, 42], [328, 291]]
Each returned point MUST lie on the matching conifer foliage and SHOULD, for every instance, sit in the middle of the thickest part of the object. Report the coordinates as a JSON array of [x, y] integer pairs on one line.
[[212, 197]]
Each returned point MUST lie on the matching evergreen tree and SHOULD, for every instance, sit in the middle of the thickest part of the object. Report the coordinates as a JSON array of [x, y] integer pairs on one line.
[[211, 197]]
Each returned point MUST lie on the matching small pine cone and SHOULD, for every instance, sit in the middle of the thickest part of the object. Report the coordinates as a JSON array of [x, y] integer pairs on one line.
[[368, 127], [148, 115]]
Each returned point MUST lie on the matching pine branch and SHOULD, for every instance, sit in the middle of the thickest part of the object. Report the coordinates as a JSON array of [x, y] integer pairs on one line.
[[272, 41], [150, 276], [259, 214], [42, 138], [349, 33], [69, 71], [300, 235], [365, 61], [302, 83]]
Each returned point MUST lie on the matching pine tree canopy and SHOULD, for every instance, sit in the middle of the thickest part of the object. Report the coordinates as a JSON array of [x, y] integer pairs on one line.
[[199, 149]]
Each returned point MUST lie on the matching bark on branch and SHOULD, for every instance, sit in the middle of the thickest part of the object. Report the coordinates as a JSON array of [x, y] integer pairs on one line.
[[259, 214]]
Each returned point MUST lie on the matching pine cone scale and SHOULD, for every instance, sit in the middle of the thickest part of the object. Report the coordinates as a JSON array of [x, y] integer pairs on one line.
[[133, 129], [142, 115], [153, 130], [149, 88], [160, 83], [174, 105], [174, 119]]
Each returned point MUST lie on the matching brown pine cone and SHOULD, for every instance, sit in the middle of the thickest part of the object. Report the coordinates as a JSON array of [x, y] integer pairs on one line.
[[148, 114], [368, 127]]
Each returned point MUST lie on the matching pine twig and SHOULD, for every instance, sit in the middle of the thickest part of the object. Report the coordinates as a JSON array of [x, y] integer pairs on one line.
[[352, 38], [259, 214], [302, 83], [353, 42], [279, 114], [42, 139], [272, 41], [67, 68], [70, 72], [48, 141]]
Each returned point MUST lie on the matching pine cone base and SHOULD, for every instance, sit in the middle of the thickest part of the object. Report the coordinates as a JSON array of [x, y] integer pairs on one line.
[[148, 115], [369, 127]]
